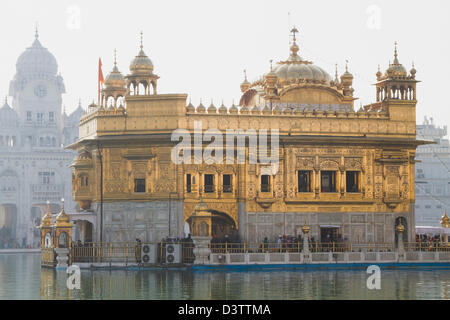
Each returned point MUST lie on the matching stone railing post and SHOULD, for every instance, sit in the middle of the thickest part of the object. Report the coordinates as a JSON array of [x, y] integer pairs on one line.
[[201, 250], [305, 252]]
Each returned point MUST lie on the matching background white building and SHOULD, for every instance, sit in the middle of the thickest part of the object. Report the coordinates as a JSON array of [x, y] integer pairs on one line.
[[432, 174], [33, 161]]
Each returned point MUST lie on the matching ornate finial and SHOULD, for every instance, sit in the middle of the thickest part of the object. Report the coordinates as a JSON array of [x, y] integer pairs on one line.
[[62, 204], [346, 65], [245, 74], [115, 57], [142, 40], [271, 65], [395, 49], [336, 72], [294, 31], [413, 64], [36, 33]]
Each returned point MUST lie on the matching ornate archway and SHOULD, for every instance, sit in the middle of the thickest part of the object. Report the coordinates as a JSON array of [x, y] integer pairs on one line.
[[223, 227]]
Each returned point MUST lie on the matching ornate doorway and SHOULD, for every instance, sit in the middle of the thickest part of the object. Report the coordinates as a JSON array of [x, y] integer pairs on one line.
[[223, 227]]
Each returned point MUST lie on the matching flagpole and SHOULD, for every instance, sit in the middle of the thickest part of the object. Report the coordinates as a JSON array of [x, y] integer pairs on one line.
[[98, 80]]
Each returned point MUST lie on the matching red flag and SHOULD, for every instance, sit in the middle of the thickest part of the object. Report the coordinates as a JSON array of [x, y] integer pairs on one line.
[[101, 80]]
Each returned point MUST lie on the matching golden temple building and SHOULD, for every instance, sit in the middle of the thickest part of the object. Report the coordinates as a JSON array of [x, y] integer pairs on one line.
[[348, 174]]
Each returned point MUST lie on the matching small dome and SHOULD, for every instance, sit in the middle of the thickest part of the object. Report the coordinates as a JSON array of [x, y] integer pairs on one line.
[[413, 71], [190, 107], [233, 109], [223, 109], [37, 60], [115, 78], [396, 69], [141, 63], [62, 218], [8, 115], [212, 108], [244, 110], [245, 84], [255, 110], [201, 108]]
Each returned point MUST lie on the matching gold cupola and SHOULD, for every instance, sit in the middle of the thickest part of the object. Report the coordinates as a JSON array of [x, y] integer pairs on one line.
[[445, 220], [47, 219], [62, 219], [245, 84], [141, 74], [396, 69]]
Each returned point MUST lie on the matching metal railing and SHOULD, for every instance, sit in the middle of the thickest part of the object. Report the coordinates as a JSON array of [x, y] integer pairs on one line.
[[271, 247], [124, 252]]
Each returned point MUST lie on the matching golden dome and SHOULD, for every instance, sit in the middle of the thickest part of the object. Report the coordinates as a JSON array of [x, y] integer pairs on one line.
[[400, 228], [234, 109], [305, 228], [141, 63], [201, 108], [445, 221], [47, 219], [190, 107], [245, 84], [223, 109], [62, 219], [115, 77], [212, 108], [295, 68], [396, 69]]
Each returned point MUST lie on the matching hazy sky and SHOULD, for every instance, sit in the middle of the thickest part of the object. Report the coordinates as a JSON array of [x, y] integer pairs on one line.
[[202, 47]]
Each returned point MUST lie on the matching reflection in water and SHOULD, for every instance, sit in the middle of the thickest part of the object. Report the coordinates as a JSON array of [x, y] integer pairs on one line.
[[21, 277]]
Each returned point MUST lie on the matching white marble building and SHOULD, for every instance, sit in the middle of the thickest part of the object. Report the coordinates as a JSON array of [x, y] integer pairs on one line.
[[34, 166], [432, 175]]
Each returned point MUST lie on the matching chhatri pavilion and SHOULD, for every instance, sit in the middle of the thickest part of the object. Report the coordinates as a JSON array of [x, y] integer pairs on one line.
[[348, 174]]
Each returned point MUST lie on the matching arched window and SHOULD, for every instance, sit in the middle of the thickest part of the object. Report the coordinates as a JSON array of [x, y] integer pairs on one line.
[[110, 102], [142, 88], [83, 181]]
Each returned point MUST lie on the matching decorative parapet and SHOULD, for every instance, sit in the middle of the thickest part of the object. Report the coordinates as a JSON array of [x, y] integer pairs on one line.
[[292, 109]]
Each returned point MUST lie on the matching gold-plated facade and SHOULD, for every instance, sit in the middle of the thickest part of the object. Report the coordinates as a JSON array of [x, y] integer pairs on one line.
[[373, 149]]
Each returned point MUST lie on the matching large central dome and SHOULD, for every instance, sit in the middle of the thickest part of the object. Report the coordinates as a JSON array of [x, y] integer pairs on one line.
[[37, 60], [296, 68]]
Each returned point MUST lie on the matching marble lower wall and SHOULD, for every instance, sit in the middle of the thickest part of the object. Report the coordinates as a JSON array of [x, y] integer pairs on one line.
[[147, 221], [355, 227]]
